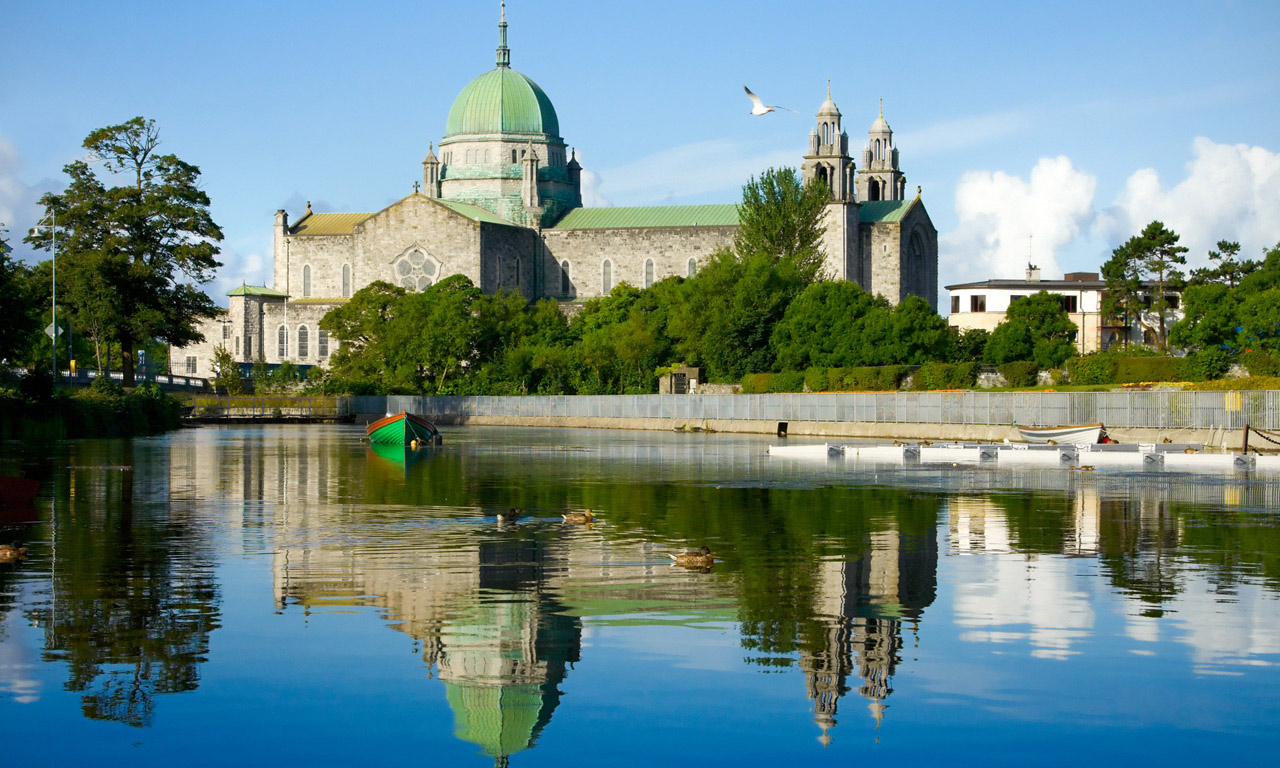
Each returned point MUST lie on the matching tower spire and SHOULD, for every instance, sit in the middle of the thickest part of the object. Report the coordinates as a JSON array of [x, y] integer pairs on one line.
[[504, 53]]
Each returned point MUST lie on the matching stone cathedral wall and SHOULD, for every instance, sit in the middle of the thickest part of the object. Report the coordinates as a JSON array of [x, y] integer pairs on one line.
[[627, 250]]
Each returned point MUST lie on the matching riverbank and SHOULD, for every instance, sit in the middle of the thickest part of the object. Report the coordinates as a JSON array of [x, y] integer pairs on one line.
[[100, 411], [1214, 419]]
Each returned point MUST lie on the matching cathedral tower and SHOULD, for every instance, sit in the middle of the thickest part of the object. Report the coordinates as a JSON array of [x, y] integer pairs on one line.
[[880, 178], [828, 158]]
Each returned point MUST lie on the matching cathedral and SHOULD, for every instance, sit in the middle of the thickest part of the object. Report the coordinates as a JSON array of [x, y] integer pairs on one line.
[[501, 202]]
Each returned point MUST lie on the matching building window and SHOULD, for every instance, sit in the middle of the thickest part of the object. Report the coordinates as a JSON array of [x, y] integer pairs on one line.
[[191, 365], [693, 267], [648, 272], [282, 343], [1171, 301], [955, 305], [346, 281], [226, 331], [977, 303], [306, 281], [514, 159], [1015, 297], [322, 343], [237, 345], [606, 277], [415, 271], [303, 342], [566, 285], [248, 346], [1070, 304]]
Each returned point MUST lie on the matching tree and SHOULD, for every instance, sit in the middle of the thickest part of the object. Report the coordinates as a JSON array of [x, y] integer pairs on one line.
[[226, 372], [782, 218], [134, 253], [1154, 256], [1228, 269], [1035, 328], [364, 357], [21, 321]]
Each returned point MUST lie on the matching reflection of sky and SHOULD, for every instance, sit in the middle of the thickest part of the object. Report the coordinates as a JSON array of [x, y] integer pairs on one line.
[[1224, 632], [17, 662]]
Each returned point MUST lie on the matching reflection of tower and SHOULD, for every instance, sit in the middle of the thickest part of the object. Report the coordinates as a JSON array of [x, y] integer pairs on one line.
[[861, 603]]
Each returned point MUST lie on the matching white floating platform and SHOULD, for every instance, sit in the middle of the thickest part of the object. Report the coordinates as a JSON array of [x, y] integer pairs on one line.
[[1267, 463], [1208, 462], [956, 454], [1050, 456], [883, 454], [812, 451]]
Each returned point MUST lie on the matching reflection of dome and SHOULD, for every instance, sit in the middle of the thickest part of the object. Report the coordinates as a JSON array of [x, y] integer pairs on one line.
[[502, 101], [502, 720]]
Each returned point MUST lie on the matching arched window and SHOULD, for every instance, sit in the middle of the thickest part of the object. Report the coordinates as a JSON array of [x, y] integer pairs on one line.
[[648, 272], [303, 342], [346, 281], [282, 342], [322, 343], [606, 277], [565, 285], [306, 281], [514, 159], [873, 190], [693, 267]]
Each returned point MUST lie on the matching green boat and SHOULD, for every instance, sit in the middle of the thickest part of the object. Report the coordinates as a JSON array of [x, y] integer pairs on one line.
[[402, 429]]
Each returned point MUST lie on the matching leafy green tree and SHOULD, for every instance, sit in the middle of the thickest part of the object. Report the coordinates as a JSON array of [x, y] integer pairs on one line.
[[364, 356], [969, 345], [782, 218], [1260, 320], [21, 321], [1036, 328], [226, 372], [1153, 256], [135, 253], [1211, 318]]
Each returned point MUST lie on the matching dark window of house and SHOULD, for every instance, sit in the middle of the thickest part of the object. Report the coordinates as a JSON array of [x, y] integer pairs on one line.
[[977, 303], [955, 305], [1069, 303], [1171, 301]]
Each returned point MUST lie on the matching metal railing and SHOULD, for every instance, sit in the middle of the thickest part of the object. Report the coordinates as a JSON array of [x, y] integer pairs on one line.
[[268, 405], [1152, 410]]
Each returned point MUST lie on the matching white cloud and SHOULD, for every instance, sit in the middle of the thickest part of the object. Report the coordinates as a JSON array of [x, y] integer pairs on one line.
[[1231, 192], [240, 267], [717, 165], [998, 213], [19, 207]]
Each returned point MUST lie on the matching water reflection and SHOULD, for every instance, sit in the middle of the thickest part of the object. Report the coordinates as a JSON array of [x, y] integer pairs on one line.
[[829, 575]]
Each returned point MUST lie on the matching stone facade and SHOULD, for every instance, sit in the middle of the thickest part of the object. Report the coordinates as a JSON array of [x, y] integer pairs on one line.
[[500, 202]]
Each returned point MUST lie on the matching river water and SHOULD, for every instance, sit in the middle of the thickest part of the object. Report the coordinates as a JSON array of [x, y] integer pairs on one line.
[[281, 594]]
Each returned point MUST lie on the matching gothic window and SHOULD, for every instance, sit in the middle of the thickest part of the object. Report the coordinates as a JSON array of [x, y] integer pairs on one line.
[[306, 281], [248, 346], [606, 277], [237, 345], [873, 190], [282, 343], [917, 270], [322, 343], [514, 159], [648, 272], [693, 267], [346, 281], [226, 331], [191, 365], [565, 285], [303, 342]]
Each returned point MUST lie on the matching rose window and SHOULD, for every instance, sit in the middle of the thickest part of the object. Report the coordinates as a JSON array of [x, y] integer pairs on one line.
[[415, 271]]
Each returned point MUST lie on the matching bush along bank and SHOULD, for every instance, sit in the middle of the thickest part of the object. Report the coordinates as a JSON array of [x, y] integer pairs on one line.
[[101, 410]]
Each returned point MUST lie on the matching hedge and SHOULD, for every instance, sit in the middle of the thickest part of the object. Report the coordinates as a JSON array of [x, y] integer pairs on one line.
[[1021, 373], [946, 376], [102, 410]]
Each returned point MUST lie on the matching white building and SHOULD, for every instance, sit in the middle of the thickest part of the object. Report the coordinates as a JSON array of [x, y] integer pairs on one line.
[[983, 305]]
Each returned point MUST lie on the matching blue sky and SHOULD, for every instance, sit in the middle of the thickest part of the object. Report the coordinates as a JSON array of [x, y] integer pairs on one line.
[[1073, 123]]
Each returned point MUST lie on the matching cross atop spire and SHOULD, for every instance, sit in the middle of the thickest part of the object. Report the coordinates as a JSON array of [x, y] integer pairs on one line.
[[504, 53]]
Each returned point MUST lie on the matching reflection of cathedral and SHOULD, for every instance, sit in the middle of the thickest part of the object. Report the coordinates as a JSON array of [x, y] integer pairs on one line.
[[862, 603]]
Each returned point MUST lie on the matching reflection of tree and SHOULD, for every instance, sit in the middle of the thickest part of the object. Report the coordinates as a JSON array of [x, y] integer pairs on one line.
[[1138, 549], [133, 600]]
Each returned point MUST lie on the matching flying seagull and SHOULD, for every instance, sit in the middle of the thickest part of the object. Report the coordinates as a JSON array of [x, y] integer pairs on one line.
[[759, 107]]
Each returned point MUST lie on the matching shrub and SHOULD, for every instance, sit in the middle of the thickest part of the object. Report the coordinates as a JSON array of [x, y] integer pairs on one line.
[[1206, 365], [946, 376], [1093, 368], [1130, 370], [1261, 363], [755, 383], [817, 379], [1020, 373], [791, 381], [889, 377]]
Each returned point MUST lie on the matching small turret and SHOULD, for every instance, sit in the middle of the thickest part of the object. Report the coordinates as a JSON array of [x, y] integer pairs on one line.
[[431, 173]]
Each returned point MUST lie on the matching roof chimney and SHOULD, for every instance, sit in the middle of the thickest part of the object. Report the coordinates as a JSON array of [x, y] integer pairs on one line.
[[1033, 273]]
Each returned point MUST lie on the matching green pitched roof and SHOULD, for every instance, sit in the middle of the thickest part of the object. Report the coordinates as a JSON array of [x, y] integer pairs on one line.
[[884, 210], [650, 216], [328, 223], [256, 290], [474, 212], [502, 101]]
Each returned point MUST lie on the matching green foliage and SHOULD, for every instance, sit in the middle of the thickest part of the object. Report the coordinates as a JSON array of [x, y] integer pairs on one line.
[[938, 375], [1036, 328], [781, 218], [226, 372], [1227, 269], [1153, 255], [817, 379], [21, 321], [132, 255], [969, 345], [1020, 373], [1094, 368], [1260, 363], [103, 409], [772, 383], [1206, 365]]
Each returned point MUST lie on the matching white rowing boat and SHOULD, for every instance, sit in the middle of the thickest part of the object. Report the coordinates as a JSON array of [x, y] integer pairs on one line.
[[1082, 434]]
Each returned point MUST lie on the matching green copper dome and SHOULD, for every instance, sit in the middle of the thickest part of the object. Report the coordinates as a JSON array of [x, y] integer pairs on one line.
[[502, 101]]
